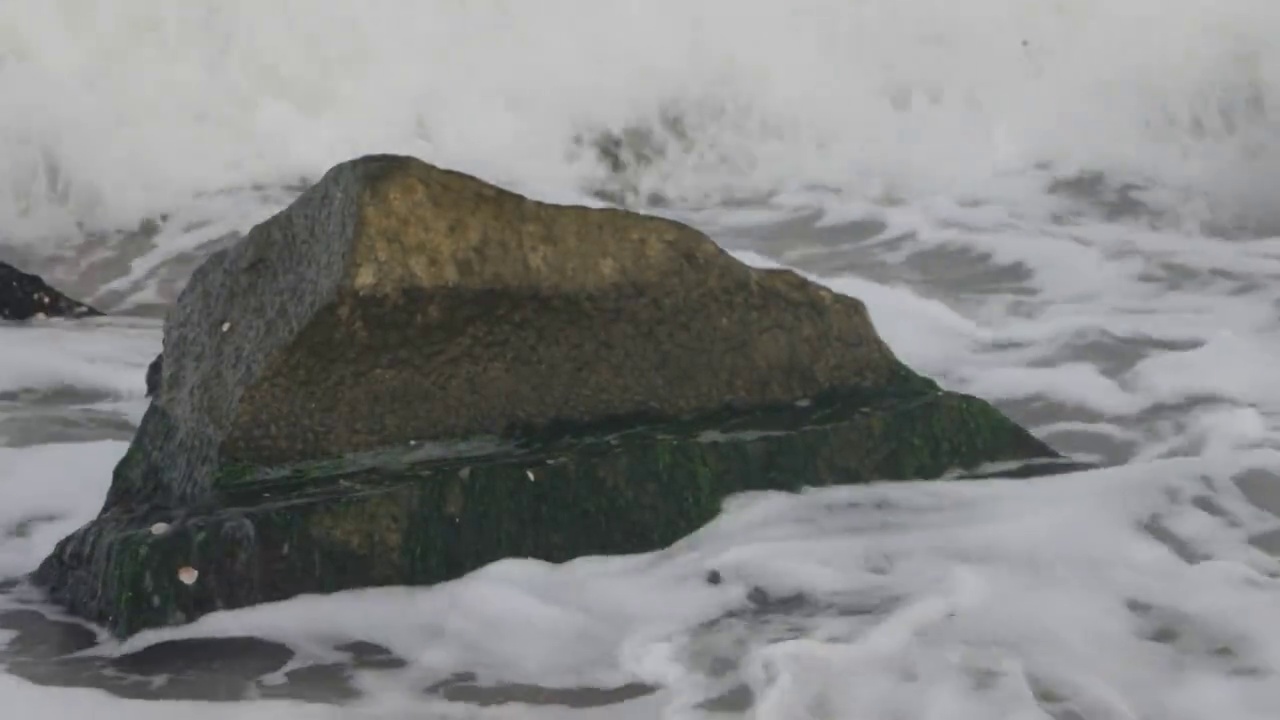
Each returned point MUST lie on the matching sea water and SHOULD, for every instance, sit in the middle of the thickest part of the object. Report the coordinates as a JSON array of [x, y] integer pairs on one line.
[[1068, 207]]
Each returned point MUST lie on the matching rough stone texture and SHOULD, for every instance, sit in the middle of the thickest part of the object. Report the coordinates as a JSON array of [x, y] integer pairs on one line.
[[24, 296], [395, 302], [427, 514]]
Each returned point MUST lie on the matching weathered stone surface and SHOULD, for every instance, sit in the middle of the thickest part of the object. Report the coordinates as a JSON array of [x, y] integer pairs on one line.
[[396, 303], [24, 296]]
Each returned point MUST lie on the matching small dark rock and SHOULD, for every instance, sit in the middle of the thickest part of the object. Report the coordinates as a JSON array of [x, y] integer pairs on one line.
[[714, 578], [24, 296]]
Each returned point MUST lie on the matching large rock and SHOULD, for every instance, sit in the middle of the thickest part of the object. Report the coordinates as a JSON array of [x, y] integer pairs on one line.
[[24, 296], [396, 304]]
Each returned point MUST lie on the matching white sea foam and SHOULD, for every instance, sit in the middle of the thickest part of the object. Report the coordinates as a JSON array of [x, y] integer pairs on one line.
[[47, 492], [962, 167], [115, 109], [89, 355]]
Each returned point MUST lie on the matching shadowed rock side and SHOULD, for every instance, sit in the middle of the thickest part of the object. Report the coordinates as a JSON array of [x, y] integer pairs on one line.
[[24, 296], [396, 303], [153, 375]]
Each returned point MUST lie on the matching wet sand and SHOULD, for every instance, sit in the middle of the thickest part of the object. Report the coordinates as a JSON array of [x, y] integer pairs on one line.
[[46, 652], [1263, 490]]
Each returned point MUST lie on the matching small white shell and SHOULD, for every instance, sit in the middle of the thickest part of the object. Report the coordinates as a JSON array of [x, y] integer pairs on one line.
[[530, 474], [188, 575], [160, 528], [226, 326]]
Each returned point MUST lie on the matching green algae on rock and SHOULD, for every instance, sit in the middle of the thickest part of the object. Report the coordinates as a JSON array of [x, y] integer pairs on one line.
[[393, 518], [397, 305]]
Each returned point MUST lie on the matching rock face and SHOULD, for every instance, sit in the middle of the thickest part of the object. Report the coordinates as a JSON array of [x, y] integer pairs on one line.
[[633, 372], [24, 296]]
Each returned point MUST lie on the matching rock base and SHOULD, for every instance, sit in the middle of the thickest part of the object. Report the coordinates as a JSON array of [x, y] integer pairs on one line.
[[431, 513]]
